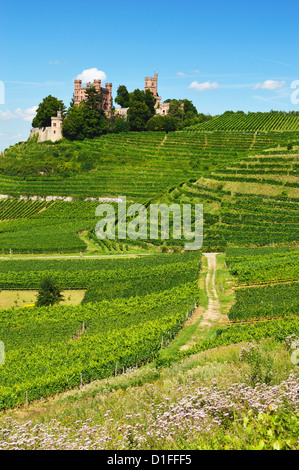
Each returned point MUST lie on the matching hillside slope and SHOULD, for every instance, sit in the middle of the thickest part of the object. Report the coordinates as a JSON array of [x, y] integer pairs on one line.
[[278, 121], [137, 165]]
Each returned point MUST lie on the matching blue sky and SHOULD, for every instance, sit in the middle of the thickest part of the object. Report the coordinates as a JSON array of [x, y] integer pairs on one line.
[[222, 55]]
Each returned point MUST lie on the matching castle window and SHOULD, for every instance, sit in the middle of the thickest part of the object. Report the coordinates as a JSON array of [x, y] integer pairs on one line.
[[54, 124]]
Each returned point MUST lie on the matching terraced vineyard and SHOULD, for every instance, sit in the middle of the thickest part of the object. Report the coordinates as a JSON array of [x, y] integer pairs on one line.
[[250, 201], [261, 122], [137, 165], [11, 209], [247, 183]]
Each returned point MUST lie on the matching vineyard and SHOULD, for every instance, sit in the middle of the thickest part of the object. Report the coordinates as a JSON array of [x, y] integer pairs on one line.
[[138, 165], [119, 277], [274, 269], [52, 349], [251, 202], [264, 265], [133, 307], [266, 302], [266, 307], [257, 122]]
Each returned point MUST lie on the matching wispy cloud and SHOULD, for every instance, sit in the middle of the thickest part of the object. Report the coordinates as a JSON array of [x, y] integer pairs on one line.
[[205, 86], [25, 114], [272, 61], [54, 62], [270, 85], [190, 73]]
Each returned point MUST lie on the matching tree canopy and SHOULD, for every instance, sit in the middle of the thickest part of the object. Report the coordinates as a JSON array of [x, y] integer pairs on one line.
[[161, 123], [87, 120], [46, 109], [48, 293], [122, 97], [138, 115]]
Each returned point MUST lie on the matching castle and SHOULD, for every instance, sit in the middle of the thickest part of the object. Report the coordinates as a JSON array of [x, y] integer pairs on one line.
[[80, 94], [53, 132], [151, 84]]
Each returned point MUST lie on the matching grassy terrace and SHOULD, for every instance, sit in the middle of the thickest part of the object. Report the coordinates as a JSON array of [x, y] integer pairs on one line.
[[138, 165]]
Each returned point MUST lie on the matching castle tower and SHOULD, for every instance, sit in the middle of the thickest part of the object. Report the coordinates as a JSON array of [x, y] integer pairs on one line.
[[77, 91], [97, 85], [151, 83], [56, 127], [107, 98]]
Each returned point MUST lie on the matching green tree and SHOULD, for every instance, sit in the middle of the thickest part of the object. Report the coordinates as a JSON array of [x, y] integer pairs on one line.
[[46, 109], [190, 110], [121, 125], [161, 123], [138, 115], [176, 110], [136, 95], [150, 101], [122, 97], [143, 97], [94, 117], [73, 124], [48, 293], [72, 102]]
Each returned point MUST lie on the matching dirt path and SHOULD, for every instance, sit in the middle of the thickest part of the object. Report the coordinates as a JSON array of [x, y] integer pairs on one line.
[[212, 313]]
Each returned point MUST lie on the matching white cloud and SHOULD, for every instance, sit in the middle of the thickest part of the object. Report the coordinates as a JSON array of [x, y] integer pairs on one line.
[[25, 114], [89, 75], [6, 115], [181, 74], [270, 85], [204, 86]]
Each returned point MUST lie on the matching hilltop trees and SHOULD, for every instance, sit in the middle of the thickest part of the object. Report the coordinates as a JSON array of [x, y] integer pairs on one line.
[[94, 116], [138, 115], [73, 124], [161, 123], [122, 97], [46, 109], [141, 109], [87, 120]]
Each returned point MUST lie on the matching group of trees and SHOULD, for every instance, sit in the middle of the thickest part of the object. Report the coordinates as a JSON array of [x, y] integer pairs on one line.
[[88, 120], [142, 115]]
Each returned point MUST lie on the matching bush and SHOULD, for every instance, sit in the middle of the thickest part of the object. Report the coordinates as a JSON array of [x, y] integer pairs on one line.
[[48, 293]]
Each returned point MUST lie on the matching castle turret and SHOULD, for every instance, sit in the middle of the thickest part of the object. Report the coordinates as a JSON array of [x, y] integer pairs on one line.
[[77, 92], [151, 83], [97, 85]]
